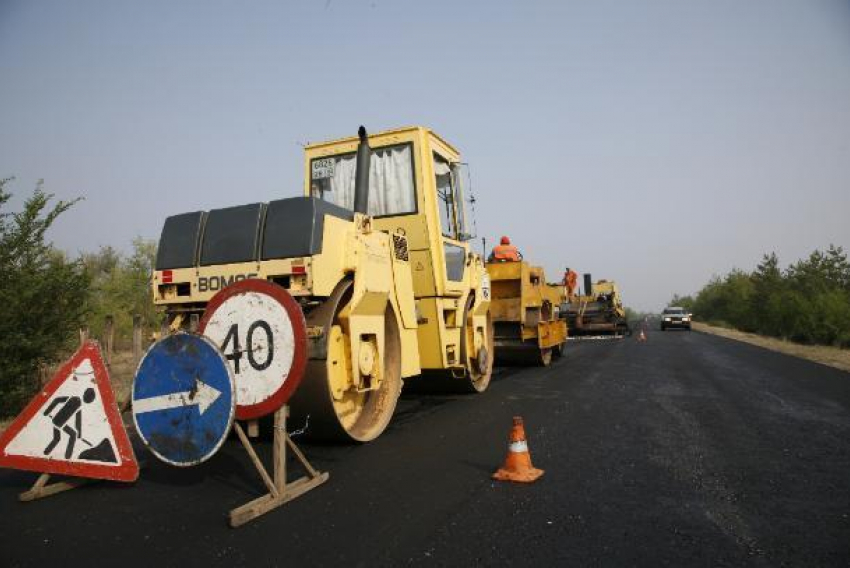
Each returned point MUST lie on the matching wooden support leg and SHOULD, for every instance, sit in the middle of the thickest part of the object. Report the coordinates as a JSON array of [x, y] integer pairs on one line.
[[40, 489], [279, 449], [280, 491], [255, 459], [297, 451]]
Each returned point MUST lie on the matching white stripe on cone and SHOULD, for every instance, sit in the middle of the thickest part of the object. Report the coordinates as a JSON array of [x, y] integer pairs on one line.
[[518, 447]]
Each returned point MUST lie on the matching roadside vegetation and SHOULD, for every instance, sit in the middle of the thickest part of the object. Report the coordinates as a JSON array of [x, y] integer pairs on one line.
[[807, 302], [47, 296]]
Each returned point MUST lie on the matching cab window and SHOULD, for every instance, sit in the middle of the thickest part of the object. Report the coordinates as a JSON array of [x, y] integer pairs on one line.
[[391, 186], [460, 173], [450, 198], [445, 197]]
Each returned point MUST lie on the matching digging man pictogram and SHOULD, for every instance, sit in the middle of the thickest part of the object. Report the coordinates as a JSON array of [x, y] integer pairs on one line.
[[71, 409]]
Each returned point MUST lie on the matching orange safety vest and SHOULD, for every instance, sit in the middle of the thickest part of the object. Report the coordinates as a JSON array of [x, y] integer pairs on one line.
[[570, 281], [507, 253]]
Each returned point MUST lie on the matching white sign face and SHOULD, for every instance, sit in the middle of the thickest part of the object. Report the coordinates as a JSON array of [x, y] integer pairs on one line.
[[255, 334], [323, 168], [71, 425]]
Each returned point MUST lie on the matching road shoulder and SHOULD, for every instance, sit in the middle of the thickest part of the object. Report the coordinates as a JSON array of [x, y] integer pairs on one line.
[[830, 356]]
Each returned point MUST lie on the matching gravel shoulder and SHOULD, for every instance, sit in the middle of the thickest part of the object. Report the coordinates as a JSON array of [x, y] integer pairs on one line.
[[831, 356]]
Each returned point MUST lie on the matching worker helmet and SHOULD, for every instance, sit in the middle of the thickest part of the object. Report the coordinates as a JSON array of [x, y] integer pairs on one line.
[[505, 241]]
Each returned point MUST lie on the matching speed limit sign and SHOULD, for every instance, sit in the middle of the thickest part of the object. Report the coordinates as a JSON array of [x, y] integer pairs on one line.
[[260, 330]]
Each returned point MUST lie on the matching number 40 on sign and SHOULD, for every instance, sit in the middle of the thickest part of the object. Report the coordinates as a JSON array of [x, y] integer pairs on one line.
[[261, 332]]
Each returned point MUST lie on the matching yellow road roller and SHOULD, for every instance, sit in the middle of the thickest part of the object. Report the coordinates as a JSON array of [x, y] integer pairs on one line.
[[377, 255], [525, 312]]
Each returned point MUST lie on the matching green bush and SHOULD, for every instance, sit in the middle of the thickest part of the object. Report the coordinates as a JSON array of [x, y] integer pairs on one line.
[[120, 287], [808, 302], [42, 296]]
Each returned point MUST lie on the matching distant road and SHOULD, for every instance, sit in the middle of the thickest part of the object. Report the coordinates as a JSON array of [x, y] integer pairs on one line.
[[688, 449]]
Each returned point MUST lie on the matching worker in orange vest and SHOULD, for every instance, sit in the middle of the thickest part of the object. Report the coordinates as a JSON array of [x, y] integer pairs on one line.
[[570, 282], [505, 252]]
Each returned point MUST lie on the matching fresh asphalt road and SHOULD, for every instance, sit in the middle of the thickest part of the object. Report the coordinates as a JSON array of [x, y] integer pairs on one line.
[[688, 449]]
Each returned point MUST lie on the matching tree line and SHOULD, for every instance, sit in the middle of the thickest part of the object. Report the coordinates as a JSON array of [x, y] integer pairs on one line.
[[807, 302], [46, 295]]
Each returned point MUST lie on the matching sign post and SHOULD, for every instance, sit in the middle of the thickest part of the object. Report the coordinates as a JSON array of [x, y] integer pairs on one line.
[[280, 491], [261, 331]]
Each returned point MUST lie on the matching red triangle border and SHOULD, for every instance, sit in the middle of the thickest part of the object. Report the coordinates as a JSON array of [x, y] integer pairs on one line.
[[127, 468]]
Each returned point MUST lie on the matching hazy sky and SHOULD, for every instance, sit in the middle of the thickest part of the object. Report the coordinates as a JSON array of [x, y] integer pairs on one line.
[[653, 143]]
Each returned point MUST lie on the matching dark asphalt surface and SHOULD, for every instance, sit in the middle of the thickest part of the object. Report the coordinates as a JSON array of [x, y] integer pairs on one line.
[[686, 450]]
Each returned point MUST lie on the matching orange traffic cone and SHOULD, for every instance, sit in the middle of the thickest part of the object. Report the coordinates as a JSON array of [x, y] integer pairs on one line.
[[518, 463], [642, 336]]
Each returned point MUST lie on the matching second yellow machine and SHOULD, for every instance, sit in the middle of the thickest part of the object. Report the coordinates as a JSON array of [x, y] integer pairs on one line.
[[524, 309], [377, 255]]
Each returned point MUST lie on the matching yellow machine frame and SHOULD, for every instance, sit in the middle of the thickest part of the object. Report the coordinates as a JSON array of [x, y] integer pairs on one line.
[[586, 316], [438, 301], [370, 269], [525, 313]]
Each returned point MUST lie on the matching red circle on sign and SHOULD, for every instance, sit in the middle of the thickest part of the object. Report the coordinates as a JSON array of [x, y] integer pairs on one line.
[[299, 330]]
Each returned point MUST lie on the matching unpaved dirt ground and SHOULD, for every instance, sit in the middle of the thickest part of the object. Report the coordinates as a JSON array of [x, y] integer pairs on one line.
[[832, 356]]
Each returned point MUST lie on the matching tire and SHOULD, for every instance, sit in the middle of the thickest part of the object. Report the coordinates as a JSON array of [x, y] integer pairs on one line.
[[477, 379], [357, 417]]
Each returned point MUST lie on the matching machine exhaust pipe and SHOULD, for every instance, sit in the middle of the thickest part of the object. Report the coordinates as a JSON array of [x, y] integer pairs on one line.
[[361, 177], [588, 285]]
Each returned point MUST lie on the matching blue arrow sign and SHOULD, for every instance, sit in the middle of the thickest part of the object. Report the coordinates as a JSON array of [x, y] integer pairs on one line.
[[183, 399]]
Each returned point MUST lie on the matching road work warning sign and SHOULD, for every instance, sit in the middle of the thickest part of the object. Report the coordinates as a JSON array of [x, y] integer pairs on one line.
[[72, 427]]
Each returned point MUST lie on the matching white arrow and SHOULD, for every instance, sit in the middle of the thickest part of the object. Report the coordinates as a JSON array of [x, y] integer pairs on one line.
[[203, 395]]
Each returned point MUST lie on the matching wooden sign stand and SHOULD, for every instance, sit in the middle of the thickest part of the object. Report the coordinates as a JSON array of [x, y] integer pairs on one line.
[[41, 489], [280, 491]]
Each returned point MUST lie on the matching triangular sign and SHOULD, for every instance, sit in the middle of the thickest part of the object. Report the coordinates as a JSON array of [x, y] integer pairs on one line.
[[72, 427]]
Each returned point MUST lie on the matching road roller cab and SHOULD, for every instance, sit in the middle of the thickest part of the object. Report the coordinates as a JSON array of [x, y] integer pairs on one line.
[[377, 255]]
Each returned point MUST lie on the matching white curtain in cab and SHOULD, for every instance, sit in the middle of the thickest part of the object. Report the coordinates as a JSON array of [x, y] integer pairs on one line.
[[342, 182], [390, 182]]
